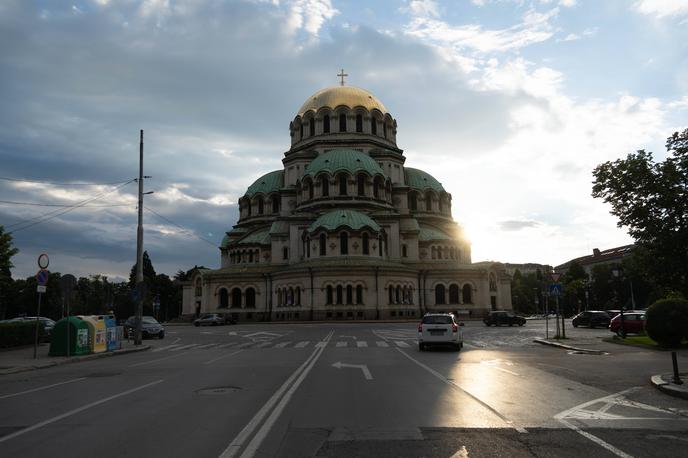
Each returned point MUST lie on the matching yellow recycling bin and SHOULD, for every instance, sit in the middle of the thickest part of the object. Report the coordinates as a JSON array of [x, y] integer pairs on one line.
[[97, 329]]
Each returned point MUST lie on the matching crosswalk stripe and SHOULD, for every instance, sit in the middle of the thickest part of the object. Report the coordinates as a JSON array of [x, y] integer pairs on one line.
[[302, 344], [321, 344], [262, 345], [401, 343], [245, 344], [342, 344], [283, 344], [167, 347], [206, 346], [361, 343], [184, 347], [381, 343]]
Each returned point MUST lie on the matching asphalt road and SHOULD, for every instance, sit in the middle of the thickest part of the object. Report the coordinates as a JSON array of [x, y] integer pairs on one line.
[[346, 390]]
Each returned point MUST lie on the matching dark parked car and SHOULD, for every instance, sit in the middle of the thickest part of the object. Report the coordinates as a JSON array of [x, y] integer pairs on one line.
[[591, 318], [210, 319], [149, 327], [500, 317], [634, 323]]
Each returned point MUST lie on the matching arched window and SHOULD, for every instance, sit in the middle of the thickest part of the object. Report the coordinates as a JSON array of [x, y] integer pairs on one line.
[[329, 294], [323, 244], [410, 293], [376, 188], [373, 126], [404, 251], [251, 298], [344, 243], [412, 201], [342, 122], [342, 184], [275, 204], [467, 294], [248, 207], [391, 294], [300, 131], [285, 253], [454, 294], [384, 129], [441, 203], [311, 127], [279, 298], [379, 246], [434, 252], [340, 294], [359, 294], [493, 282], [297, 298], [236, 298], [428, 202], [366, 244], [439, 294], [397, 295], [349, 294], [260, 206], [326, 124], [250, 256], [361, 185], [290, 296], [224, 299], [359, 123], [310, 191], [325, 183]]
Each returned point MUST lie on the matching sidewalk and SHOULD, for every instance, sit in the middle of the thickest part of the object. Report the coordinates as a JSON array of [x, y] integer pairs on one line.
[[663, 383], [21, 359]]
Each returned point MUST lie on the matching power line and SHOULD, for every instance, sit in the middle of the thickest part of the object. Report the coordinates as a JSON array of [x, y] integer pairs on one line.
[[56, 183], [25, 224], [60, 205], [188, 231]]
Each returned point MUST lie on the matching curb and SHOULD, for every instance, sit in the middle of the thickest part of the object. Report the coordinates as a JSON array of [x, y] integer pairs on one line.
[[569, 347], [74, 359], [668, 387]]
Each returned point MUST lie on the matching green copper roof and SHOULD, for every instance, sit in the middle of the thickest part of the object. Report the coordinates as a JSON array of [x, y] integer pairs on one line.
[[417, 179], [279, 227], [270, 182], [260, 237], [225, 241], [343, 159], [338, 218], [427, 234]]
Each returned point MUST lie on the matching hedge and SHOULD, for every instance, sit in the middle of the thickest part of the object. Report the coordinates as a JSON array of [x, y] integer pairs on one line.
[[666, 322], [19, 333]]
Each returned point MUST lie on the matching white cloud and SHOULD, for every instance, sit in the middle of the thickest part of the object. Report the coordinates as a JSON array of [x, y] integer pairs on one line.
[[662, 8], [571, 37], [534, 28], [422, 8], [568, 3], [310, 15]]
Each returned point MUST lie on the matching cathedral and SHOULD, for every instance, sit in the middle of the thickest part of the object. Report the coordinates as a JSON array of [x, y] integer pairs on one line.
[[345, 231]]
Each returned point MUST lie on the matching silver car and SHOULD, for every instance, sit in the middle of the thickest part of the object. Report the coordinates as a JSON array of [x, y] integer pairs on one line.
[[209, 319], [439, 329]]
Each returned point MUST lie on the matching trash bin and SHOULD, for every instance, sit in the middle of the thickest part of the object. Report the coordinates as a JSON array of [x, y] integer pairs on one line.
[[76, 330], [96, 327], [113, 342]]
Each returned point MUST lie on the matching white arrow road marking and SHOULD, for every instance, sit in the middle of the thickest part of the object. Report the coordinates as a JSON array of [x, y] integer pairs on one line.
[[302, 344], [283, 344], [363, 367]]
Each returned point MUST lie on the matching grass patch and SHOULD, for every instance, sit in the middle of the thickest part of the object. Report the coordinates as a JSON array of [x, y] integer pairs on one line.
[[642, 341]]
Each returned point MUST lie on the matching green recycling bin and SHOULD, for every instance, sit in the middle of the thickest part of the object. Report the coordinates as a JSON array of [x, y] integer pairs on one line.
[[76, 330]]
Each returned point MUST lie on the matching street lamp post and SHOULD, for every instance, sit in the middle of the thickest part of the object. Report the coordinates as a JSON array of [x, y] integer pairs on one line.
[[617, 271]]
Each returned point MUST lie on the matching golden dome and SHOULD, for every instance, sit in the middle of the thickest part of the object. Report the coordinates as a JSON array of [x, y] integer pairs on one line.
[[335, 96]]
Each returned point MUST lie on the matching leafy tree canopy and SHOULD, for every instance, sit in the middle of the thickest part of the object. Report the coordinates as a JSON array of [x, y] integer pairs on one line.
[[651, 200]]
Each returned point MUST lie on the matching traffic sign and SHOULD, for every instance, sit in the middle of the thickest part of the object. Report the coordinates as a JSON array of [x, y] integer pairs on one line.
[[555, 289], [42, 277], [43, 261], [41, 288], [555, 276]]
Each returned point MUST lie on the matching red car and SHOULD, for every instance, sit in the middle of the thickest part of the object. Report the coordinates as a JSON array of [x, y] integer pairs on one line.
[[634, 323]]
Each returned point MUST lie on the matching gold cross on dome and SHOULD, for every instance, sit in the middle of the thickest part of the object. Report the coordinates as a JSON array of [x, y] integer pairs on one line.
[[342, 75]]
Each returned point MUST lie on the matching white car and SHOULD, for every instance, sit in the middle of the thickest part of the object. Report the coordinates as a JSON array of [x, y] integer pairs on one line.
[[439, 329]]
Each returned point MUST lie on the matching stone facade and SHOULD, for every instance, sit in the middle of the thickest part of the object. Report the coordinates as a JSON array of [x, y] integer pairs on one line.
[[345, 231]]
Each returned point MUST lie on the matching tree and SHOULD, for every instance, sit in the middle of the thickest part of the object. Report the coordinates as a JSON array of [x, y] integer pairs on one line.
[[651, 200], [6, 253]]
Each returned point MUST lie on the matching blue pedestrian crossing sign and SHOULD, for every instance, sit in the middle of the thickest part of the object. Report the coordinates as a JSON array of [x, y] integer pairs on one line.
[[555, 289]]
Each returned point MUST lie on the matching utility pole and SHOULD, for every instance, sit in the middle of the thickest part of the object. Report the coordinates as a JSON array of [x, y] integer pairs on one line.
[[139, 251]]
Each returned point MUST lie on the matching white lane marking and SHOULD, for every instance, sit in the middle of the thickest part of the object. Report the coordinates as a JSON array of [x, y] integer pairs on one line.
[[341, 344], [321, 344], [401, 344], [227, 345], [263, 334], [167, 347], [159, 359], [283, 344], [207, 332], [184, 347], [361, 343], [75, 411], [363, 367], [353, 337], [472, 396], [206, 346], [595, 439], [462, 453], [381, 343], [222, 357], [302, 344], [258, 439], [245, 345], [33, 390], [234, 447], [263, 345]]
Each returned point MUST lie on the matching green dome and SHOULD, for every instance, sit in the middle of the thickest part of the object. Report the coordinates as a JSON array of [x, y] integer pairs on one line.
[[348, 160], [225, 241], [417, 179], [270, 182], [431, 234], [349, 218]]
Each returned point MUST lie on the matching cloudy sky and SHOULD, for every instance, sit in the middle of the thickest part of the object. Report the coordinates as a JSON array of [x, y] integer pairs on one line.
[[509, 103]]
